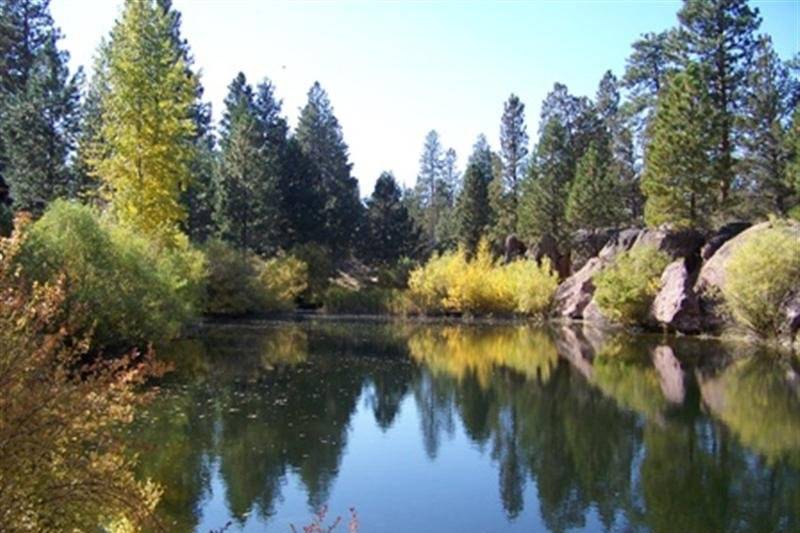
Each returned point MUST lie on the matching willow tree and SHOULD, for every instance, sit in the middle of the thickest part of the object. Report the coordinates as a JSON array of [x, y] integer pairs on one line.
[[146, 121]]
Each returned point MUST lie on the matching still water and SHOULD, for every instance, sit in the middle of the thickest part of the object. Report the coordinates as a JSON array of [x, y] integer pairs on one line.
[[471, 428]]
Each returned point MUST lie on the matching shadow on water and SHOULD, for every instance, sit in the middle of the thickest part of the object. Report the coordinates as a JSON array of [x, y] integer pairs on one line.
[[580, 429]]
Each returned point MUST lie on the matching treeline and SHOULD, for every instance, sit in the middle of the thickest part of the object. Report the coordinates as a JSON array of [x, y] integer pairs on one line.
[[701, 127]]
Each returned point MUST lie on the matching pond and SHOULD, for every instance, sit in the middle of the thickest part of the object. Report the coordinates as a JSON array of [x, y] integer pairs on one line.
[[471, 428]]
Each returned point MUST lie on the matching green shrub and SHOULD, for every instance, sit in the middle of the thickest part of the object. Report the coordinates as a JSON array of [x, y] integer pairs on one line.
[[367, 301], [320, 271], [396, 276], [625, 291], [452, 283], [6, 220], [240, 282], [760, 275], [134, 291]]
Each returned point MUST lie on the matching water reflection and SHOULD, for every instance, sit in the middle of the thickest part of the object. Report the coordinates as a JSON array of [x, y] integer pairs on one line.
[[580, 429]]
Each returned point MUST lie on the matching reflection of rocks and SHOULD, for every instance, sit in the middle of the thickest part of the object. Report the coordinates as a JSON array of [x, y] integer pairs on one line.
[[574, 347], [676, 305], [670, 374]]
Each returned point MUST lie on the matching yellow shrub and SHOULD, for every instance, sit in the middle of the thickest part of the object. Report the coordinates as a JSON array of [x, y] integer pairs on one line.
[[759, 275], [283, 280], [451, 283]]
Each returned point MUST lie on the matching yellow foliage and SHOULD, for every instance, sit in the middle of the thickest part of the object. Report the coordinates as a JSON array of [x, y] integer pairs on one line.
[[460, 351], [452, 283], [284, 279]]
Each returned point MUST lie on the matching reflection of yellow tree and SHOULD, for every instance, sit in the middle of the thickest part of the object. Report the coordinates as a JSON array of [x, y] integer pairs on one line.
[[458, 351], [757, 399]]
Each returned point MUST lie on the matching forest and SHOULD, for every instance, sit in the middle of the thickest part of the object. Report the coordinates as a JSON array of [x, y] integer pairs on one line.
[[129, 213]]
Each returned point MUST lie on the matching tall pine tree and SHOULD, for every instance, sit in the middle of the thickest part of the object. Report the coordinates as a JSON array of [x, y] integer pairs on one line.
[[428, 189], [391, 233], [249, 206], [39, 107], [320, 137], [770, 98], [474, 212], [679, 182], [147, 131], [720, 35], [513, 152]]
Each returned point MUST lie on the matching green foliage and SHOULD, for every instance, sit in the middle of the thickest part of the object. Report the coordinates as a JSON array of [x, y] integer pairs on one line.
[[395, 275], [760, 275], [365, 301], [452, 283], [320, 272], [513, 151], [474, 212], [625, 290], [6, 220], [64, 463], [138, 292], [390, 231], [679, 180], [146, 129], [240, 282], [595, 197], [793, 149]]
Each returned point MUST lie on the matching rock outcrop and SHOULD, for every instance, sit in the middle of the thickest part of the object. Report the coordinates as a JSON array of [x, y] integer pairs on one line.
[[676, 305], [575, 293]]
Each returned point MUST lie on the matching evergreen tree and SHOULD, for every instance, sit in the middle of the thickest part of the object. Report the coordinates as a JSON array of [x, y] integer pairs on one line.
[[543, 202], [618, 135], [146, 128], [720, 35], [513, 151], [594, 199], [473, 204], [303, 197], [320, 137], [90, 144], [768, 108], [646, 70], [446, 232], [40, 125], [391, 234], [792, 142], [38, 106], [678, 181], [248, 193], [428, 189]]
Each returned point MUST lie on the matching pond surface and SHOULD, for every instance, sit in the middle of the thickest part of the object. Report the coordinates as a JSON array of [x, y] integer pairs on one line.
[[471, 428]]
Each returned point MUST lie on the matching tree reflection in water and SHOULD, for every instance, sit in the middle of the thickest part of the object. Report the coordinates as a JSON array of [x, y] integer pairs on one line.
[[612, 427]]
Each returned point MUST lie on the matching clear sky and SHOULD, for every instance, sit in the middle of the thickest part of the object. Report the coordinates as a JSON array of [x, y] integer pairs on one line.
[[394, 71]]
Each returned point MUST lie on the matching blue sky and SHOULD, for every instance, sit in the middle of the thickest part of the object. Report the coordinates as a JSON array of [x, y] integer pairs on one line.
[[394, 71]]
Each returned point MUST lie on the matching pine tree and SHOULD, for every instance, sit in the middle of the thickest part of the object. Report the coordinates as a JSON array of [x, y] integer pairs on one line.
[[513, 151], [320, 137], [594, 200], [249, 206], [646, 70], [446, 232], [39, 106], [303, 198], [146, 124], [473, 203], [428, 187], [720, 35], [678, 182], [391, 234], [768, 108], [40, 125], [543, 203], [792, 142]]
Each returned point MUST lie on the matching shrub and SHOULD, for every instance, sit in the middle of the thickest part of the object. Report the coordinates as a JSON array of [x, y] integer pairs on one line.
[[320, 270], [625, 291], [396, 276], [240, 282], [452, 283], [760, 275], [367, 301], [6, 220], [63, 462], [135, 292]]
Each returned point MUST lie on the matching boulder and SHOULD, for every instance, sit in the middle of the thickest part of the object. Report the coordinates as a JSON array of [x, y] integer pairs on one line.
[[676, 305], [575, 293], [723, 235], [587, 244], [677, 244], [790, 310], [547, 247], [620, 242]]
